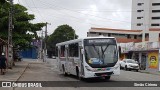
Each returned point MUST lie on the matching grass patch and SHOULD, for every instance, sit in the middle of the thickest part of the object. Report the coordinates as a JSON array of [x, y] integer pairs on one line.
[[156, 73]]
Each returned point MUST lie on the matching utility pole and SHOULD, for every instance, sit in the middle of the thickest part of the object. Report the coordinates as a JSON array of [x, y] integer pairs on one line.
[[41, 50], [10, 44], [45, 43], [74, 35]]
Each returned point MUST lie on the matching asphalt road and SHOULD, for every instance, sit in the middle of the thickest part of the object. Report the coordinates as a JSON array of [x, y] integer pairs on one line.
[[49, 72]]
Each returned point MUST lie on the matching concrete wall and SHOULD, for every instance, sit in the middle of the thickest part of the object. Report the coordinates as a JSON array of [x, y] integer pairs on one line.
[[153, 36], [146, 14]]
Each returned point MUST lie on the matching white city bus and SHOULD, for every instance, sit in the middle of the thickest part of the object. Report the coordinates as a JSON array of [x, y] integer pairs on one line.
[[89, 57]]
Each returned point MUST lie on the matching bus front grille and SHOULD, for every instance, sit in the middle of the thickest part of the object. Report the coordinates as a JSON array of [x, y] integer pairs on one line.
[[104, 74]]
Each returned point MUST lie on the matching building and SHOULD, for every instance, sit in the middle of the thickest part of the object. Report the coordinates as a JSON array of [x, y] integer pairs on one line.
[[123, 36], [146, 17], [33, 51], [132, 45], [3, 47], [142, 41]]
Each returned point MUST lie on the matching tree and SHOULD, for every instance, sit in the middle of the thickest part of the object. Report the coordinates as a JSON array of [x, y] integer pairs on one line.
[[62, 33], [2, 1], [22, 25]]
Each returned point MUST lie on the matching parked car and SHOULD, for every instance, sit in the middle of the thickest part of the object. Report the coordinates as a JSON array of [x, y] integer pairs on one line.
[[129, 64]]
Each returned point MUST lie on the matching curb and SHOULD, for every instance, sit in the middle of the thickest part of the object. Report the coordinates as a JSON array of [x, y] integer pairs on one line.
[[21, 74], [158, 73], [26, 69]]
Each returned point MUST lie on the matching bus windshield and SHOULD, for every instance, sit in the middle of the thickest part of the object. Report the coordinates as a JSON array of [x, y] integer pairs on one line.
[[101, 55]]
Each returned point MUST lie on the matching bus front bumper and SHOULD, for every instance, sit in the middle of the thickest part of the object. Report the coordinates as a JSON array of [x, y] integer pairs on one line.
[[91, 74], [97, 74]]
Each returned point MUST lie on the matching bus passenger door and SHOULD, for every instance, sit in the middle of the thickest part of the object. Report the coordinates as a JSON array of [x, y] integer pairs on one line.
[[67, 60], [58, 59], [81, 61]]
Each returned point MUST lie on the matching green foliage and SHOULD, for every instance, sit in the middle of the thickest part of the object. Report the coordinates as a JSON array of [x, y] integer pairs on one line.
[[22, 25], [62, 33], [2, 1], [4, 12]]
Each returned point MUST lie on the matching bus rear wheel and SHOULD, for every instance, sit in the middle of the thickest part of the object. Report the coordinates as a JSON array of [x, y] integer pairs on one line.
[[64, 72]]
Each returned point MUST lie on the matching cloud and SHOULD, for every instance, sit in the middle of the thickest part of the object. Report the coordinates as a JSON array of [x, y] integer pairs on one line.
[[81, 14]]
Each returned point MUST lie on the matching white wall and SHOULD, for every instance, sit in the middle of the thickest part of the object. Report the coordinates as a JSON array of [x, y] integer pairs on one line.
[[147, 17], [153, 36]]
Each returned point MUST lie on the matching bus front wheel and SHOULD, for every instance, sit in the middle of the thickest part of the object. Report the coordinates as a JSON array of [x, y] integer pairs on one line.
[[77, 73]]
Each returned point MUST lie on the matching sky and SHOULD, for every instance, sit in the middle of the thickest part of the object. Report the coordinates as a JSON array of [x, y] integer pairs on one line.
[[81, 15]]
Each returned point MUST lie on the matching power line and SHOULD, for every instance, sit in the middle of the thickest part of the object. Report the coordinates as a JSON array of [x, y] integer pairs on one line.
[[72, 17], [63, 14], [86, 14], [64, 18], [103, 19], [38, 10], [86, 9], [132, 23], [28, 7]]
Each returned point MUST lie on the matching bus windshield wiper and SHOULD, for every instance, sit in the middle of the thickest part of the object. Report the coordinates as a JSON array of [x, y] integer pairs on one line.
[[103, 52], [97, 51]]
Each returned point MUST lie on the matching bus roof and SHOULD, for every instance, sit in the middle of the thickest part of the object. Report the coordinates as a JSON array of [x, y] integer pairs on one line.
[[78, 40]]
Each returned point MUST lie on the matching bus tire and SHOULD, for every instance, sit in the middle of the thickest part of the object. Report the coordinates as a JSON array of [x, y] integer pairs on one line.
[[77, 73], [63, 70]]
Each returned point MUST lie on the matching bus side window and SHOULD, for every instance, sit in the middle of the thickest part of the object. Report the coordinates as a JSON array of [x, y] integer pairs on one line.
[[56, 52], [62, 52], [73, 50]]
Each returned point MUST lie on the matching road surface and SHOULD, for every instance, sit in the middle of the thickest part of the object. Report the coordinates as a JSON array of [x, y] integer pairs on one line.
[[49, 72]]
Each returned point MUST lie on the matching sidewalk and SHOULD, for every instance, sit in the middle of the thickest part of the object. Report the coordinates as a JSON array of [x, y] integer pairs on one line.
[[150, 72], [17, 70]]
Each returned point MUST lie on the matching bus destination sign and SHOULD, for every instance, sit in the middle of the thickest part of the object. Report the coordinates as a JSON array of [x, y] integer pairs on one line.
[[100, 41]]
